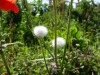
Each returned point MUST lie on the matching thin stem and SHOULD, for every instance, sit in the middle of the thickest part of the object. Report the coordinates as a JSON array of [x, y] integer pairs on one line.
[[45, 61], [5, 62], [48, 49], [44, 56], [67, 36], [55, 28]]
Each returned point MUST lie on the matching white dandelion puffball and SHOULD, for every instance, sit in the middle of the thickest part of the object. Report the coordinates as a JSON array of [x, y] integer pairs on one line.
[[60, 42], [40, 31]]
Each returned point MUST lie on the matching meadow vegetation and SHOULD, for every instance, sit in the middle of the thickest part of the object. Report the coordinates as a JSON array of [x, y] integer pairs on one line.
[[55, 39]]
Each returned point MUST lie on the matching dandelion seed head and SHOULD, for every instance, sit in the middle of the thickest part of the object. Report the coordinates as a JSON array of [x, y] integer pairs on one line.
[[40, 31], [60, 42]]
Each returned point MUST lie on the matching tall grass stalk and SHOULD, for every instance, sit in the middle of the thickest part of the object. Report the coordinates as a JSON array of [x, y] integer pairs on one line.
[[5, 62], [68, 33], [55, 28]]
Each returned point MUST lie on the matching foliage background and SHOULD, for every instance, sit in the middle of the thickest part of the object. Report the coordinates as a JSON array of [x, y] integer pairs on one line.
[[83, 57]]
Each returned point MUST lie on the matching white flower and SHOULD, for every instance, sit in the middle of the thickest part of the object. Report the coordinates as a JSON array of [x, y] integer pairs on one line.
[[37, 14], [77, 45], [40, 31], [60, 42]]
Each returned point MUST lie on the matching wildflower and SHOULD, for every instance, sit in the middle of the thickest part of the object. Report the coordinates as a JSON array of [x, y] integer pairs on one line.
[[8, 5], [60, 42], [37, 14], [40, 31], [53, 64], [77, 45]]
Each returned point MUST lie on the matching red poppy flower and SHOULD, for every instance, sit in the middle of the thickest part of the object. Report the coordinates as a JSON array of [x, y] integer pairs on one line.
[[8, 5]]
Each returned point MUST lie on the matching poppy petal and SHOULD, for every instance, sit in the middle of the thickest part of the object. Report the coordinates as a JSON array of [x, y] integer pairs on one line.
[[15, 9], [12, 1], [8, 6]]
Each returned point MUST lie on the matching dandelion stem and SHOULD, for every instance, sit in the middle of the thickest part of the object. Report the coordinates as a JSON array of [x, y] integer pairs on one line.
[[55, 28], [45, 61], [44, 56], [48, 49], [67, 36], [5, 62]]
